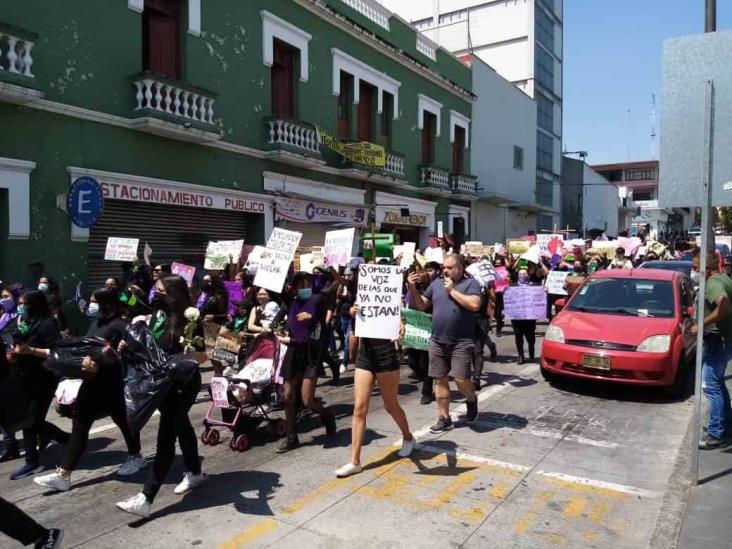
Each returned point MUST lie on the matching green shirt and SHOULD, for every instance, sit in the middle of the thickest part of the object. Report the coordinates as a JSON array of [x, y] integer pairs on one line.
[[718, 285]]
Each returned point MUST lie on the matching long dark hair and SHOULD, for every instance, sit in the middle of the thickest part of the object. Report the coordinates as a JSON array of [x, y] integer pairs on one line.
[[109, 305], [178, 300], [37, 304]]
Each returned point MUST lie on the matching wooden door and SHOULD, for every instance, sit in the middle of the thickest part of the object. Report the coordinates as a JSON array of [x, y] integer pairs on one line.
[[161, 37], [365, 112]]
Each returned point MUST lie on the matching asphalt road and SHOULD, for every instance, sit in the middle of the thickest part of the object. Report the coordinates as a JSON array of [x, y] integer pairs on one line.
[[575, 465]]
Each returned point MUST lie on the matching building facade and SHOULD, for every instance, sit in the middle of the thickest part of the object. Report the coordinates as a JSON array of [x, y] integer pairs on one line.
[[209, 121], [589, 201], [523, 41], [639, 208]]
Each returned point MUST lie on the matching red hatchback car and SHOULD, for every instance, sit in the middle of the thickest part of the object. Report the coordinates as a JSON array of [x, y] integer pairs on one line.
[[625, 326]]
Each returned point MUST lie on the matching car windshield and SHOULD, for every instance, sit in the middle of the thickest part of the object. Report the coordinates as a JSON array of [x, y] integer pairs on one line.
[[625, 296]]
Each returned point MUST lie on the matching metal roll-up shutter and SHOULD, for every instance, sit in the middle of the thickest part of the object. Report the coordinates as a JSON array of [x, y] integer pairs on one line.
[[313, 234], [175, 233]]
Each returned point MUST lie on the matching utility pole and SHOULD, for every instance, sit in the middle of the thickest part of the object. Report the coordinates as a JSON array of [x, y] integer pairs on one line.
[[710, 19]]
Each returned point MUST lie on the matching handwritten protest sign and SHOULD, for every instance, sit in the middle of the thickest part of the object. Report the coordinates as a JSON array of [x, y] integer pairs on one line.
[[121, 249], [187, 272], [502, 279], [417, 329], [338, 247], [275, 262], [555, 282], [219, 386], [434, 254], [474, 248], [379, 295], [550, 243], [408, 249], [221, 253], [482, 271], [254, 258], [524, 303]]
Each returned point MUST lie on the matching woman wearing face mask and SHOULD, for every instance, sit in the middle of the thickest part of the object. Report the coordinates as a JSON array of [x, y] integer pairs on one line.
[[101, 394], [8, 324], [214, 300], [261, 316], [167, 325], [36, 334], [305, 321], [524, 329], [345, 297]]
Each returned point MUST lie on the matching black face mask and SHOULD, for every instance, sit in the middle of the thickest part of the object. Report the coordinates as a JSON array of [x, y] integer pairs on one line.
[[158, 302], [206, 286]]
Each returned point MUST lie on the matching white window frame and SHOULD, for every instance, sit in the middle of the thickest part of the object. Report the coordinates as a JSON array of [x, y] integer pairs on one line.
[[457, 119], [275, 27], [428, 104], [458, 211], [194, 13], [15, 178], [361, 71]]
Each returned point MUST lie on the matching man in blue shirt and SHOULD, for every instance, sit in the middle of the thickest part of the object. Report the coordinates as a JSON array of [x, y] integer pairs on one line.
[[455, 299]]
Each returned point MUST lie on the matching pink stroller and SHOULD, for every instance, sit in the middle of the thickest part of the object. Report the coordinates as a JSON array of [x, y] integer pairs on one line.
[[242, 397]]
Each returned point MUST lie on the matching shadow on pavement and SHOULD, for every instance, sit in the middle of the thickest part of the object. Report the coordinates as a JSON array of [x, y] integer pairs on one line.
[[615, 391], [494, 378], [342, 439], [436, 448], [490, 421]]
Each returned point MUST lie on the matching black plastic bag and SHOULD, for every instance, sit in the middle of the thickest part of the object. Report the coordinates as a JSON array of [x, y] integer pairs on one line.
[[66, 358], [180, 368]]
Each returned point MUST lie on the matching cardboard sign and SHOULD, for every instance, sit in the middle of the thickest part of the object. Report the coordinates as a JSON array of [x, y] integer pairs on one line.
[[555, 282], [502, 279], [606, 247], [121, 249], [434, 254], [275, 263], [408, 250], [379, 295], [417, 329], [219, 386], [221, 253], [550, 243], [338, 247], [474, 248], [524, 303], [518, 247], [482, 271], [186, 272]]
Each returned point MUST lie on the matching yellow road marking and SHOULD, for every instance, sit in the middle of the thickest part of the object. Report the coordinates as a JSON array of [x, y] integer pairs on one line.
[[523, 524], [556, 539], [599, 510], [254, 532], [500, 491], [575, 507], [591, 535]]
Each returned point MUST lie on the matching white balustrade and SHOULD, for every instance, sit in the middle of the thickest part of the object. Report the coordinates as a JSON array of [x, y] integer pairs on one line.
[[15, 55], [438, 178], [293, 134], [174, 100], [465, 184], [395, 163], [372, 10], [426, 46]]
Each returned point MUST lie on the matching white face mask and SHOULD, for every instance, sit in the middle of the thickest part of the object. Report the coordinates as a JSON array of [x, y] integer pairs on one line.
[[695, 277]]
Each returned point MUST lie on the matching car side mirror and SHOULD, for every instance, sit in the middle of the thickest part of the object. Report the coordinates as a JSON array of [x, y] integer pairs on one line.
[[560, 303]]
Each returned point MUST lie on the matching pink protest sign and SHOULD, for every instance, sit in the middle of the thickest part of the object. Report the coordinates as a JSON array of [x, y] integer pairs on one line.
[[219, 385], [502, 279], [186, 272]]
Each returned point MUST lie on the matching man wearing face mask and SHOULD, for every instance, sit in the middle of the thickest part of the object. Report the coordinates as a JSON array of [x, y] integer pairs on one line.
[[305, 320], [717, 351], [101, 394], [8, 324]]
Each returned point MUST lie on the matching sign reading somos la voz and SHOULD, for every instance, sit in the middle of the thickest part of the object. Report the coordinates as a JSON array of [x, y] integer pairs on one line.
[[380, 301]]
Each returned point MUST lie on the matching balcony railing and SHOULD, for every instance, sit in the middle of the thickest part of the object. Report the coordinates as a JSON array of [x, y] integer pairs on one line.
[[394, 164], [291, 134], [435, 178], [182, 102], [15, 51], [464, 183]]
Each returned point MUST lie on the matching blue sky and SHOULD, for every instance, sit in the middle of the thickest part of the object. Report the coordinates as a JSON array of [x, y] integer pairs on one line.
[[612, 63]]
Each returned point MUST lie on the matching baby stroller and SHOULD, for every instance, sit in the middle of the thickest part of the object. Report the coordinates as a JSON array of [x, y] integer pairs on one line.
[[241, 397]]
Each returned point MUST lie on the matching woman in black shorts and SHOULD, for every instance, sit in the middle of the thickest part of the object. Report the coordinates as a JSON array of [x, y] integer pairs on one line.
[[377, 360]]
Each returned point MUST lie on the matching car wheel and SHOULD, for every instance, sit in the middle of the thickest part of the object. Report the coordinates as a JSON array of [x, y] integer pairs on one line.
[[549, 376], [683, 383]]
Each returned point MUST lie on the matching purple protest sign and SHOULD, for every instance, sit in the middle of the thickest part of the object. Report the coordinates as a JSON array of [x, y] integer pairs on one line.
[[524, 303], [236, 293]]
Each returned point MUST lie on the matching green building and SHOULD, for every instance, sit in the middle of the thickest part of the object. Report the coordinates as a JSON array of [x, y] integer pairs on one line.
[[205, 121]]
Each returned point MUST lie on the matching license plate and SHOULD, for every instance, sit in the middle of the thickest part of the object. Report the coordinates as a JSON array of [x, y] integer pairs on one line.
[[596, 361]]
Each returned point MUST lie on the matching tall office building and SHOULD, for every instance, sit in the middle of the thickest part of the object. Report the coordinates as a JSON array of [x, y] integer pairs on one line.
[[522, 40]]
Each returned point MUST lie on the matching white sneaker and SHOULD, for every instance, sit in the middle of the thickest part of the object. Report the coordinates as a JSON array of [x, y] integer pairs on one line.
[[407, 447], [348, 469], [189, 482], [131, 466], [136, 505], [343, 369], [54, 481]]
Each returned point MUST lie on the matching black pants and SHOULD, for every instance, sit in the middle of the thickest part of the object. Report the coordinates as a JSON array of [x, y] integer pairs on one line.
[[419, 362], [18, 525], [9, 439], [175, 425], [524, 329], [482, 338], [97, 398], [498, 311], [41, 430]]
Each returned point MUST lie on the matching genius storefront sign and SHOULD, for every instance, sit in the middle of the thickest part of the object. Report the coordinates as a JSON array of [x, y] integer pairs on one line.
[[296, 209]]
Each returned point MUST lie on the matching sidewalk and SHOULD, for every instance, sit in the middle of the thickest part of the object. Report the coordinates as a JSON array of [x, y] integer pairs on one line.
[[707, 520]]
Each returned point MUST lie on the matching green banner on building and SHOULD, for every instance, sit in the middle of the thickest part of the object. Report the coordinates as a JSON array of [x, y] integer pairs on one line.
[[417, 329]]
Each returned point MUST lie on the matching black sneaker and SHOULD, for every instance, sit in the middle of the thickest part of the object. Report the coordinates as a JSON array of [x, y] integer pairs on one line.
[[427, 399], [9, 455], [520, 360], [472, 411], [441, 425], [290, 443], [710, 443], [330, 424], [52, 540], [494, 356], [476, 383]]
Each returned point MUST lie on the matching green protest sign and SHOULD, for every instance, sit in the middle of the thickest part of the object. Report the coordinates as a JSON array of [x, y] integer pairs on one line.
[[417, 329]]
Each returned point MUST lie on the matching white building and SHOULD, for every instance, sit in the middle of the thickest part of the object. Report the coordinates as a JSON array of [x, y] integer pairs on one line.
[[523, 41], [503, 157]]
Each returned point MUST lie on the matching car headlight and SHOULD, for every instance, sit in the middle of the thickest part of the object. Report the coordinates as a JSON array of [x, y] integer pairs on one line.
[[655, 344], [555, 334]]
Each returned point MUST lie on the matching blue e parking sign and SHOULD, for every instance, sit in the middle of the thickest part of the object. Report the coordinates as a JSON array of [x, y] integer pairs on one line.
[[84, 202]]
